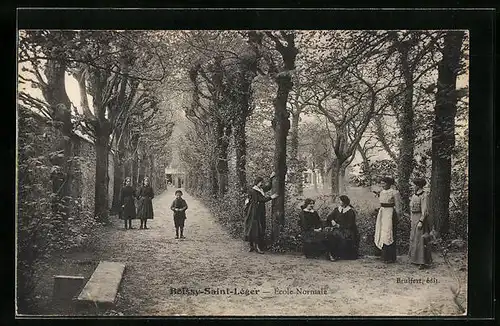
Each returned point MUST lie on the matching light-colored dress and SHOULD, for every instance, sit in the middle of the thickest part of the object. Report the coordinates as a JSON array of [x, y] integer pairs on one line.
[[390, 202], [419, 252]]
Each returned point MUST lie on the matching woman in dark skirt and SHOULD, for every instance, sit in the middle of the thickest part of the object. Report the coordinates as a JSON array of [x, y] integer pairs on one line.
[[255, 214], [127, 201], [344, 240], [145, 206], [387, 218], [310, 224]]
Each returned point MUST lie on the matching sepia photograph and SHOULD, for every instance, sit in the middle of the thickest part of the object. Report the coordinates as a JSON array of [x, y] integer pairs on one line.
[[242, 172]]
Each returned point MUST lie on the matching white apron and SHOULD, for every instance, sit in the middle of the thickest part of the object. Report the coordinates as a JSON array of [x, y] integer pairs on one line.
[[383, 227]]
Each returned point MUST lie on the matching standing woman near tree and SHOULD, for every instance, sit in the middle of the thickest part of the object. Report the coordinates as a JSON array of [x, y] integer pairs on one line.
[[145, 207], [388, 214], [420, 252], [127, 202], [255, 214]]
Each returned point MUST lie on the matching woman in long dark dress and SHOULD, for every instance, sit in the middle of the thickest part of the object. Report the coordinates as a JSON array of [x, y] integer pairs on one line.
[[127, 202], [255, 214], [344, 241], [310, 224], [145, 206], [387, 218], [420, 252]]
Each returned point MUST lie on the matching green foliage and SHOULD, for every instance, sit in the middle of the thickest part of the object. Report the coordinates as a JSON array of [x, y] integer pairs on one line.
[[371, 174], [40, 232]]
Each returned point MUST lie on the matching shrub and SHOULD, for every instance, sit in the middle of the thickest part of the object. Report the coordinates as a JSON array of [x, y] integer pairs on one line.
[[40, 232]]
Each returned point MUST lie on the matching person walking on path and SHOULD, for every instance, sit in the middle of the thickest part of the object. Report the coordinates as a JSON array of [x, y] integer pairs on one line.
[[255, 214], [145, 206], [388, 214], [179, 207], [420, 252], [127, 202]]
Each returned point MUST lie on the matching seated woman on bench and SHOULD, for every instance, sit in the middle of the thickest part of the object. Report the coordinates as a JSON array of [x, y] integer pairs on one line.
[[343, 241], [310, 224]]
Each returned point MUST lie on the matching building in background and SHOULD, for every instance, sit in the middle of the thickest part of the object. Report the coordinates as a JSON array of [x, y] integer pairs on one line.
[[175, 176]]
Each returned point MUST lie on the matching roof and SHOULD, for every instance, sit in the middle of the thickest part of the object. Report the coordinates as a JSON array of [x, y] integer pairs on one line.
[[173, 171]]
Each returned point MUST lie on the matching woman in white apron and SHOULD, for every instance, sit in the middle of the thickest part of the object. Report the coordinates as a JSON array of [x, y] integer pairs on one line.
[[388, 215]]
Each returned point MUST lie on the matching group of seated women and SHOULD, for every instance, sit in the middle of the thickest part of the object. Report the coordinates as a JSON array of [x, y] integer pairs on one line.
[[337, 237]]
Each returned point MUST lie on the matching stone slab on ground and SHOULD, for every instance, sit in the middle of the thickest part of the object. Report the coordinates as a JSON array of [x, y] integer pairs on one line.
[[67, 287], [102, 286]]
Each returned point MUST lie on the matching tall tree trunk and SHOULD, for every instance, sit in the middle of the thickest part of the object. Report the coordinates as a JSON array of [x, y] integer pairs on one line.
[[338, 185], [101, 208], [407, 131], [55, 94], [241, 152], [119, 176], [213, 180], [295, 174], [281, 125], [315, 179], [224, 134], [443, 132], [365, 163]]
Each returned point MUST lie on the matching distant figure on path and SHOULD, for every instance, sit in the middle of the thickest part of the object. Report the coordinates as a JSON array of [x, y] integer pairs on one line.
[[345, 238], [255, 214], [420, 252], [310, 224], [145, 206], [127, 202], [388, 214], [179, 207]]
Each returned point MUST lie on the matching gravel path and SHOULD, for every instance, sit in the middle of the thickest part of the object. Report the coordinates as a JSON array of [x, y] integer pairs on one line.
[[159, 268]]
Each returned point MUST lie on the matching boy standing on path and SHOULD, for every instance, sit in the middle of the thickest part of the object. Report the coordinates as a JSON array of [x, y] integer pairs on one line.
[[179, 207]]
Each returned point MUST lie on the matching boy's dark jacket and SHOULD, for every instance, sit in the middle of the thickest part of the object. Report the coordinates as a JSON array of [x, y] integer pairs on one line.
[[179, 203]]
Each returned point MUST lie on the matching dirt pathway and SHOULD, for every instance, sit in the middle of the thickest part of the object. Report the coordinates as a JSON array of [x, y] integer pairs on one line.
[[159, 268]]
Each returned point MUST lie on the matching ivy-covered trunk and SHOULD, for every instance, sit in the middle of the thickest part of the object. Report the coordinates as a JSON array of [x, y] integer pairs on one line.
[[61, 157], [407, 132], [119, 177], [295, 173], [101, 210], [223, 137], [281, 125], [338, 186], [241, 152], [443, 132]]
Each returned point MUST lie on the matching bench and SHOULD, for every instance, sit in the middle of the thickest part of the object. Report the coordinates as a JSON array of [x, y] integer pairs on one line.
[[102, 287]]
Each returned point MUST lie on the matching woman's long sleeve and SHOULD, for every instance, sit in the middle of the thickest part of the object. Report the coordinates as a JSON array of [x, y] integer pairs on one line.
[[397, 203], [423, 206], [261, 198], [350, 221], [268, 186], [301, 220], [317, 221]]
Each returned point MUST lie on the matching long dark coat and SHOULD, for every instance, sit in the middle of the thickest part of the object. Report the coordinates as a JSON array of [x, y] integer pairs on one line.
[[127, 203], [255, 215], [346, 237], [145, 205]]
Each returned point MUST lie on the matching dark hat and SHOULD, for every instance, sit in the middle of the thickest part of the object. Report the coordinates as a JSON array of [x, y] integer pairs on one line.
[[388, 180], [420, 182], [178, 192]]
